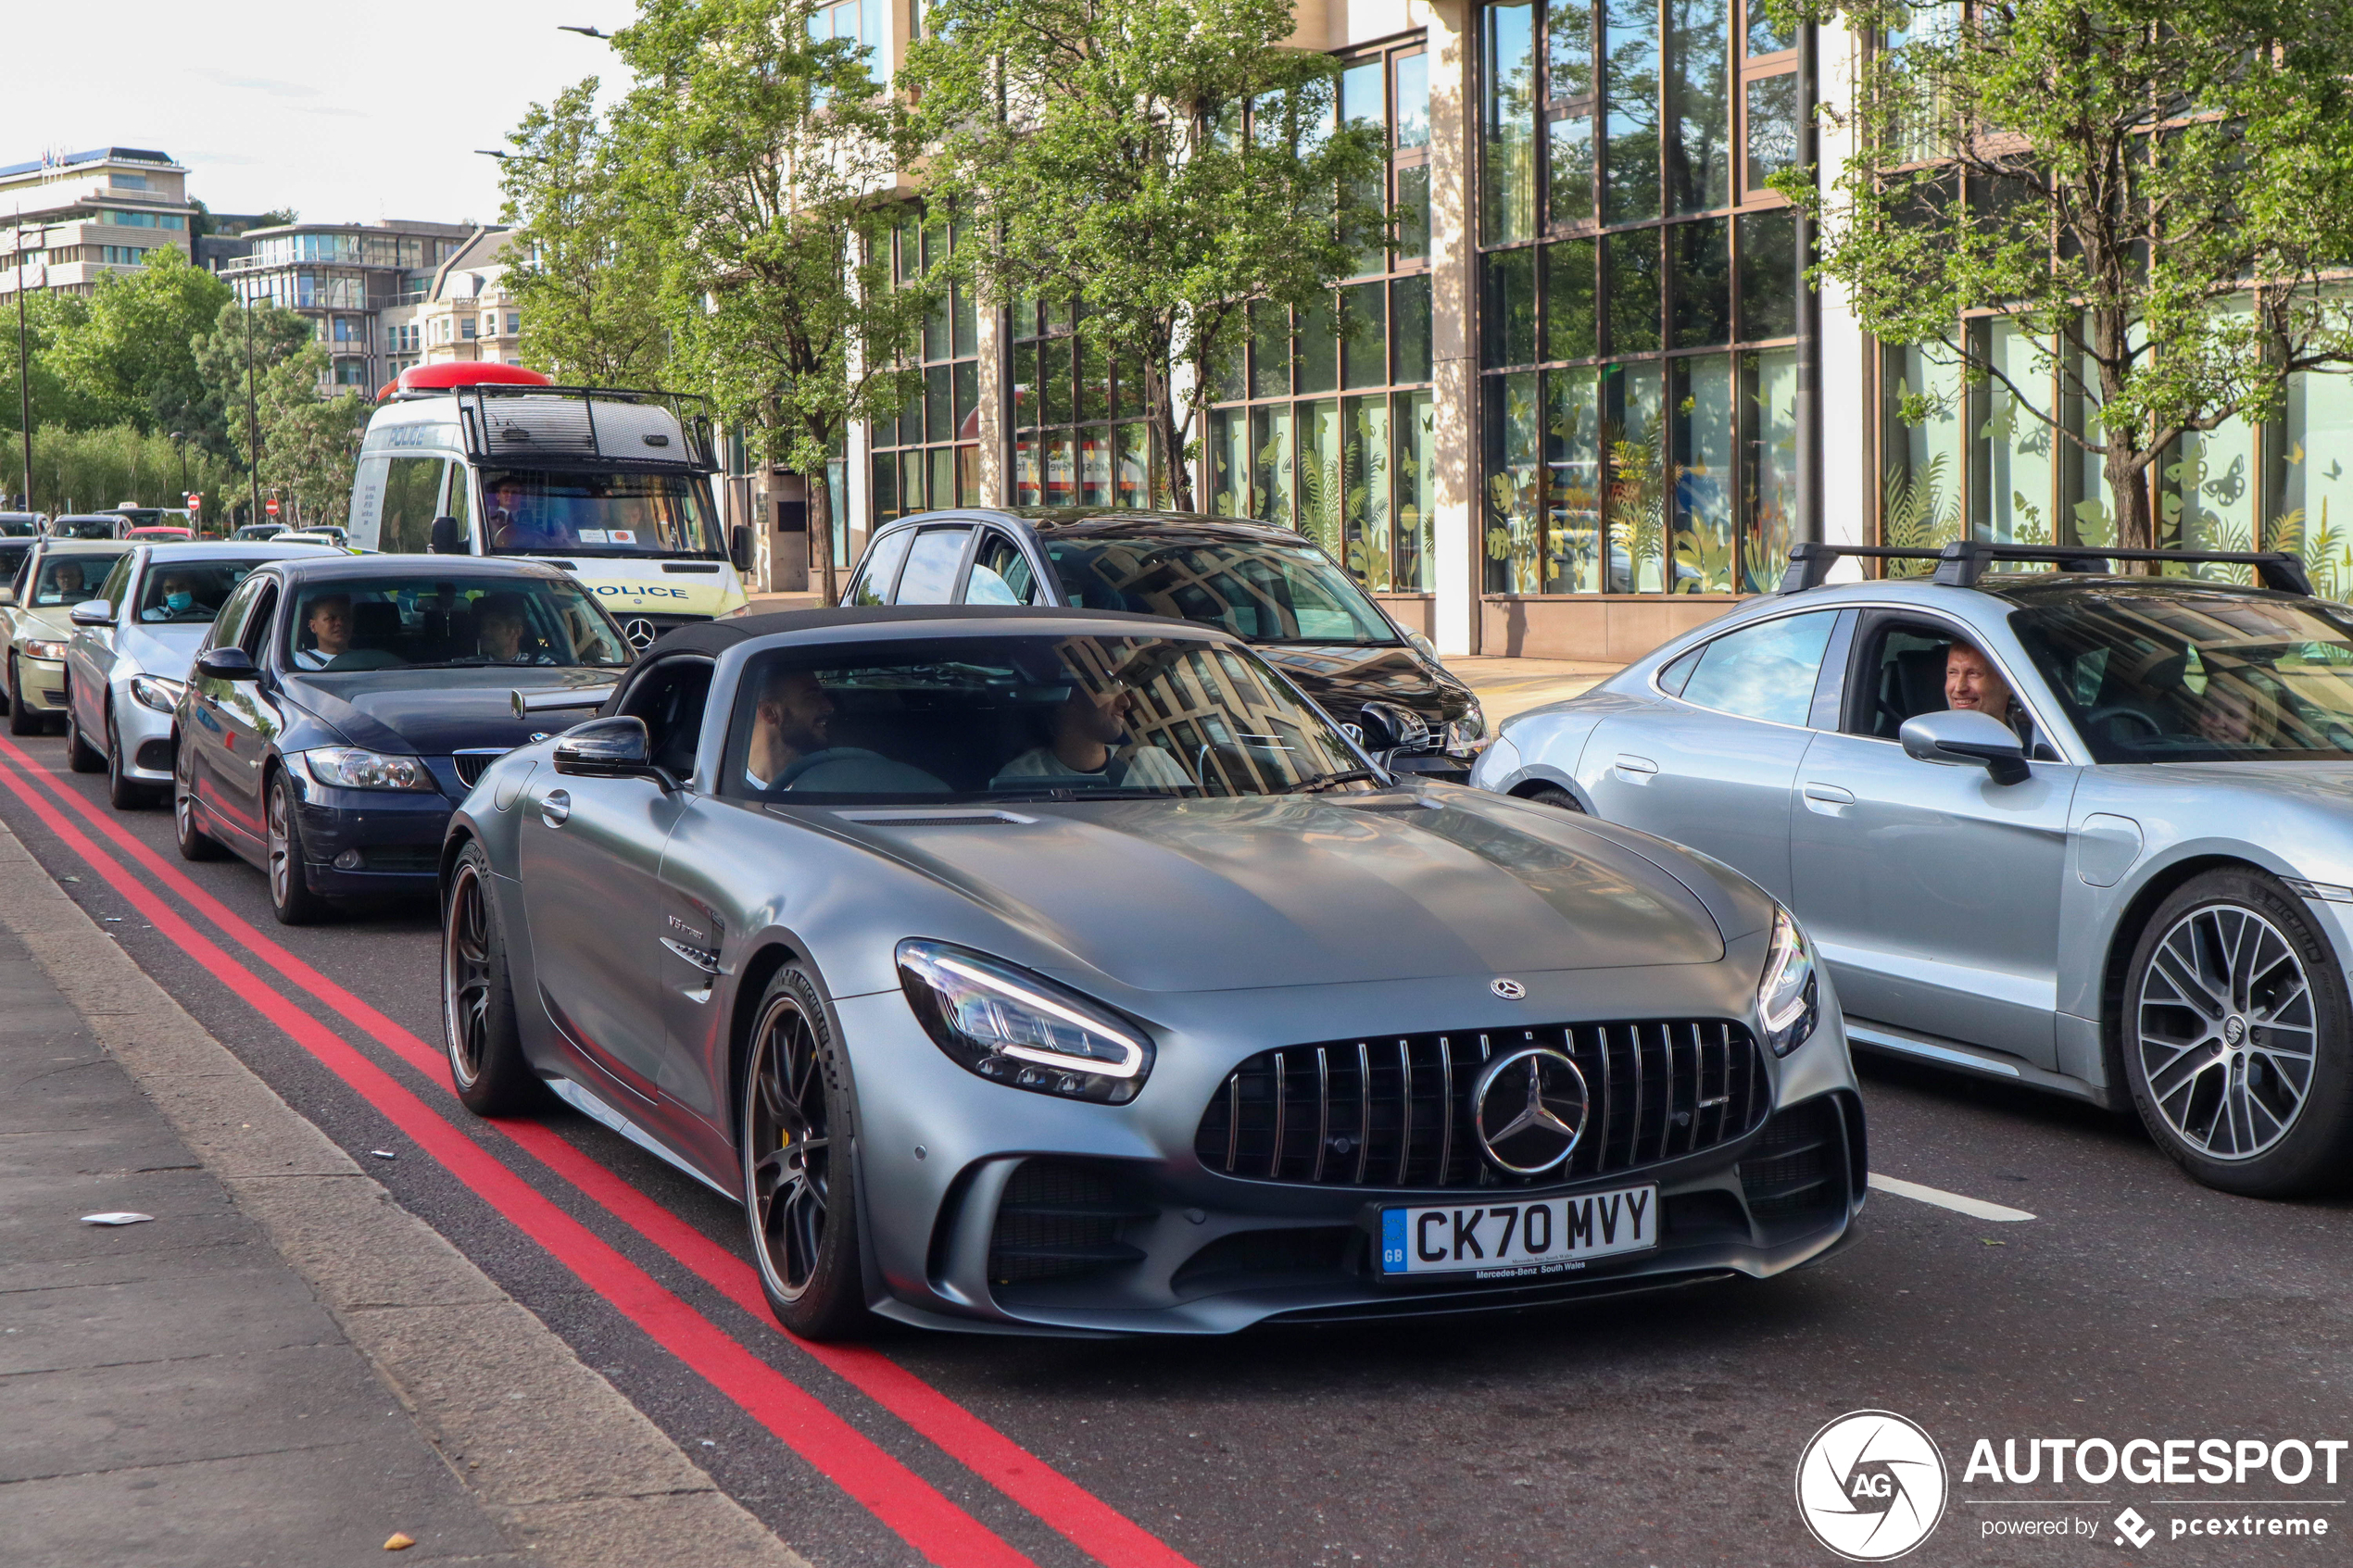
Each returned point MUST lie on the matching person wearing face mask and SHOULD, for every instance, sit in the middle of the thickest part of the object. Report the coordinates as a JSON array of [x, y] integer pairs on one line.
[[176, 600]]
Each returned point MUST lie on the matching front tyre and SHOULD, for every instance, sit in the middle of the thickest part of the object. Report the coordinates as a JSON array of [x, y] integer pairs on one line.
[[1552, 795], [487, 1060], [2236, 1038], [290, 897], [193, 842], [80, 756], [22, 721], [799, 1178], [124, 793]]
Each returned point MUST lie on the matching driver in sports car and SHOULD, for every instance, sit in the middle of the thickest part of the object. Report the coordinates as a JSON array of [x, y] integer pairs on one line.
[[792, 746]]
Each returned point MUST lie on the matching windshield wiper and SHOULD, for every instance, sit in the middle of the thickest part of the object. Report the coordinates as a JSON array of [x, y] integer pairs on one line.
[[1319, 782]]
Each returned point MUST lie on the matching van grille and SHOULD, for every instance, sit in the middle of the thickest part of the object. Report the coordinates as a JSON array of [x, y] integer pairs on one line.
[[1396, 1111]]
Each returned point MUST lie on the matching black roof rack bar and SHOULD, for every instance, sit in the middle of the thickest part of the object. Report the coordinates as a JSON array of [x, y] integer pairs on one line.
[[1962, 562], [1810, 562]]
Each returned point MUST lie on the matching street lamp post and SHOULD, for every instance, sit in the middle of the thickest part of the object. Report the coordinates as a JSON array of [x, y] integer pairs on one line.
[[24, 375], [252, 423], [180, 445]]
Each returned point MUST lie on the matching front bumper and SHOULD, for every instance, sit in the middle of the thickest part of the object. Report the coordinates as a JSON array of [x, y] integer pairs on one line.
[[386, 840], [990, 1209], [43, 682], [144, 735]]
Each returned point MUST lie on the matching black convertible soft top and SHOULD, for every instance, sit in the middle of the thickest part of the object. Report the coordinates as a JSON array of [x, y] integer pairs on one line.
[[715, 636]]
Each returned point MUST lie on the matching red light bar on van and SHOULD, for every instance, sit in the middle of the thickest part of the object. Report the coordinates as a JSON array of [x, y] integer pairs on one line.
[[445, 377]]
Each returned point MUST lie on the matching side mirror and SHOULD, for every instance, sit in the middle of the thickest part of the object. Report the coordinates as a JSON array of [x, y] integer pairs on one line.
[[227, 664], [91, 612], [610, 748], [739, 548], [1966, 738], [447, 540]]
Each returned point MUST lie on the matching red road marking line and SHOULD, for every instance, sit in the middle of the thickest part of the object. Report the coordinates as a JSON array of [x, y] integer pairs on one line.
[[897, 1496], [1072, 1511]]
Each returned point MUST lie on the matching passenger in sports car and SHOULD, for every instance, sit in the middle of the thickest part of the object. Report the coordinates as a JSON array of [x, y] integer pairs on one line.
[[1088, 728], [1973, 684]]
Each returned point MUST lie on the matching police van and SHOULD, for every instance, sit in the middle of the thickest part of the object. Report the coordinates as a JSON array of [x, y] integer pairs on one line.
[[613, 486]]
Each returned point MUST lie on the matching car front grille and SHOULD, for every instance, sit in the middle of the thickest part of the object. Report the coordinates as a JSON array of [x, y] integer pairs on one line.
[[1396, 1111], [471, 765]]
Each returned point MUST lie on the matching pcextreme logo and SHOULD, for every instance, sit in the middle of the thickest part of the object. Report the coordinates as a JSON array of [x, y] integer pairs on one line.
[[1870, 1485]]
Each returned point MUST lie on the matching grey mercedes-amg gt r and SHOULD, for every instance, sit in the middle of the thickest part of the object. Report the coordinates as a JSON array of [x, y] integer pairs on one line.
[[2082, 832], [1056, 970]]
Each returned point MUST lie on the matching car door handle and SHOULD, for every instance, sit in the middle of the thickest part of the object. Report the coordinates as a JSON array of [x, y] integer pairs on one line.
[[555, 808], [1828, 794], [1629, 763]]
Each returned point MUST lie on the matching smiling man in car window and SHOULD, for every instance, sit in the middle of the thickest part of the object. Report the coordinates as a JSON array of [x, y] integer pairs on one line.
[[1971, 683]]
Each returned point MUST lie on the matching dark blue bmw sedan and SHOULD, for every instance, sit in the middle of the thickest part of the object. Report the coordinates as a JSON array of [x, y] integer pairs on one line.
[[342, 707]]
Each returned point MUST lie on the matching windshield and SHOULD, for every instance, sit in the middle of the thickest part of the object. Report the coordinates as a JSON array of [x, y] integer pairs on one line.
[[1261, 591], [18, 525], [412, 622], [535, 511], [69, 580], [2191, 677], [83, 528], [189, 592], [1035, 718]]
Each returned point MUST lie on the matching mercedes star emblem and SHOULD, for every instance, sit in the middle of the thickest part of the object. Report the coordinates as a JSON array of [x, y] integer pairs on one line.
[[1510, 990], [1528, 1107], [640, 631]]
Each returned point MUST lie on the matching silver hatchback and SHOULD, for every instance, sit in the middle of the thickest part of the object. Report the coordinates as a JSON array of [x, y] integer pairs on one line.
[[2088, 833]]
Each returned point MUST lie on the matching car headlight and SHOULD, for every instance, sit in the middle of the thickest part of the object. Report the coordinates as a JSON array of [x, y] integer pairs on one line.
[[36, 647], [347, 767], [1786, 995], [160, 693], [1472, 725], [1021, 1029]]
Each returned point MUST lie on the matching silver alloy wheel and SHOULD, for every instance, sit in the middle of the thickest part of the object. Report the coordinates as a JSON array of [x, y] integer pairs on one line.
[[2226, 1032], [282, 870], [465, 976], [786, 1149]]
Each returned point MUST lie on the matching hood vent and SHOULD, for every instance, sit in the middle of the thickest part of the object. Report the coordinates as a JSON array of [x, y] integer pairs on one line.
[[936, 817]]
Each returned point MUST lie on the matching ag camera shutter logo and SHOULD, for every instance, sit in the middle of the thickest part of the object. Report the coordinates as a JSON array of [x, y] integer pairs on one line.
[[1872, 1485]]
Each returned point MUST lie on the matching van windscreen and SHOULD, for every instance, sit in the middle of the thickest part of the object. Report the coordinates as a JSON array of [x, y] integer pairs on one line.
[[542, 511]]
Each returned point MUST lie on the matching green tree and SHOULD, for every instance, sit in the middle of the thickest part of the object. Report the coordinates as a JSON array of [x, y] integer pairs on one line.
[[763, 165], [2154, 190], [309, 441], [588, 279], [278, 335], [45, 316], [1092, 148], [131, 359]]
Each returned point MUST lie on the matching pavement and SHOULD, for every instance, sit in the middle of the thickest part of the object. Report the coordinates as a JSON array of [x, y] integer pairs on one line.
[[279, 1365], [1505, 686]]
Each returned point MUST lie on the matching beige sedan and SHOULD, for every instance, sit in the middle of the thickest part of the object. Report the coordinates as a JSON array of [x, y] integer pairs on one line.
[[35, 610]]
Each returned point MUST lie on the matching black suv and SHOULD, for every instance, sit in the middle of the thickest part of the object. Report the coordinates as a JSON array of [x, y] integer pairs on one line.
[[1268, 585]]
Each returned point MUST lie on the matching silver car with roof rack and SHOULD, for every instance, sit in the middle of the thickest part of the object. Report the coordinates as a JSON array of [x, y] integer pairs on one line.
[[2126, 875]]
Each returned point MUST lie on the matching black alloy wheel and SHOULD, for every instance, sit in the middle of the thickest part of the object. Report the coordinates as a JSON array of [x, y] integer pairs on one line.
[[193, 842], [126, 794], [22, 719], [799, 1172], [487, 1060], [290, 897], [2236, 1038]]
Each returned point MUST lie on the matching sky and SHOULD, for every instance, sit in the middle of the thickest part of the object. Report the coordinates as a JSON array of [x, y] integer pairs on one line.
[[344, 112]]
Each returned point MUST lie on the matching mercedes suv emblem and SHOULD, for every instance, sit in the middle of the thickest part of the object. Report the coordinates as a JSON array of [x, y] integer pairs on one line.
[[1510, 990], [640, 631], [1529, 1108]]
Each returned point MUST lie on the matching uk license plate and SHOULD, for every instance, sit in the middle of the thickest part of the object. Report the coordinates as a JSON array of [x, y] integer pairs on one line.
[[1528, 1240]]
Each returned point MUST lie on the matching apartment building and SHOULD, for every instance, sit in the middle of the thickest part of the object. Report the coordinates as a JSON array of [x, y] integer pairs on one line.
[[461, 311], [67, 220], [343, 277]]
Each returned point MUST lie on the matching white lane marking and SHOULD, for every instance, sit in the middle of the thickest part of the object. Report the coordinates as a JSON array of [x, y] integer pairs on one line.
[[1975, 1208]]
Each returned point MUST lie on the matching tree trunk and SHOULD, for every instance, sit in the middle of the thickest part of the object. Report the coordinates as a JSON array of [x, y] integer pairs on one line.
[[1159, 393], [2122, 466], [821, 530]]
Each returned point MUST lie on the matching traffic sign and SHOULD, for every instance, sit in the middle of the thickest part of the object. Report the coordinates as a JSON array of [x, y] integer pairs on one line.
[[195, 502], [270, 506]]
